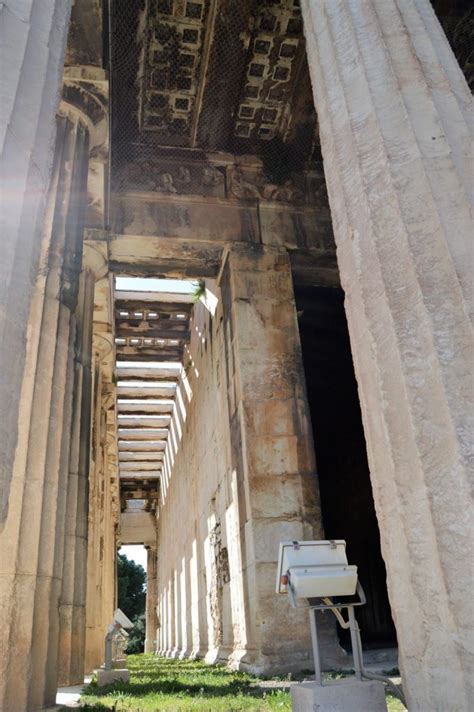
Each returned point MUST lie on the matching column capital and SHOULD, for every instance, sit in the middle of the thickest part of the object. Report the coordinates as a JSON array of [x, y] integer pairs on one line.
[[95, 255]]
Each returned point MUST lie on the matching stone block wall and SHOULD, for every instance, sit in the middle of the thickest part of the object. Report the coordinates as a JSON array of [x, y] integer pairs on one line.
[[199, 610], [239, 476]]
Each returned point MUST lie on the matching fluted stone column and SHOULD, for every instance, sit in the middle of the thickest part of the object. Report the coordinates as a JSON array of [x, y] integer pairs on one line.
[[103, 491], [32, 41], [33, 533], [72, 606], [395, 116], [151, 600]]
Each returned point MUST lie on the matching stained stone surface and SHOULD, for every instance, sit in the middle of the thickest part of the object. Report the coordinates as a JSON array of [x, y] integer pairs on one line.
[[395, 121]]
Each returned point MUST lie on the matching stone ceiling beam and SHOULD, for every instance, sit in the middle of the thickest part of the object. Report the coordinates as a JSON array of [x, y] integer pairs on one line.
[[157, 372], [146, 391], [142, 353], [143, 421], [131, 466], [169, 257], [144, 406], [142, 446], [161, 298], [140, 474], [141, 433], [128, 456]]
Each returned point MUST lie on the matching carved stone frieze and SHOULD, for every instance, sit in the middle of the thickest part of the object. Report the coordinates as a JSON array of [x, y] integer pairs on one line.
[[239, 179], [250, 183], [173, 177]]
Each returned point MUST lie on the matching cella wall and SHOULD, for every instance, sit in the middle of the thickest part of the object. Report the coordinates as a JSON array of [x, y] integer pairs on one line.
[[239, 475]]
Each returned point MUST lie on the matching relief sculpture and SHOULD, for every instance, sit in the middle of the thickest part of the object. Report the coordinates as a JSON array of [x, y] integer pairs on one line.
[[245, 184]]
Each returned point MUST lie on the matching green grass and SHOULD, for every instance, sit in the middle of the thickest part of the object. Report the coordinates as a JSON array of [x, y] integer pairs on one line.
[[160, 684]]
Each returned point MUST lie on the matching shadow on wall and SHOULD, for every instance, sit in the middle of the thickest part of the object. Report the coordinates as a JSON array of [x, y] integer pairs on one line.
[[346, 492]]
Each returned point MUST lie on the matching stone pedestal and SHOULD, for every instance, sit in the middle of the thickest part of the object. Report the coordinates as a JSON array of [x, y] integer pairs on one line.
[[108, 677], [339, 696], [395, 117]]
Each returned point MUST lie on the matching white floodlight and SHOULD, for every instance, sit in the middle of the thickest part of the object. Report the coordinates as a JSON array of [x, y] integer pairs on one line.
[[315, 569], [120, 617]]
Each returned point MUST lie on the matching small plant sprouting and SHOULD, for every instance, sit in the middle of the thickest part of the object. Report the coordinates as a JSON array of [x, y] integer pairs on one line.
[[199, 291]]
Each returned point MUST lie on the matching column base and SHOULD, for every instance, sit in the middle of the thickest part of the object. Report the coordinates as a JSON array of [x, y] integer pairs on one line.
[[150, 646], [339, 696]]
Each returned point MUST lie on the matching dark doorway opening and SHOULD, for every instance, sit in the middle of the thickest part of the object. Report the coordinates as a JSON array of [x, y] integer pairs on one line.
[[346, 493]]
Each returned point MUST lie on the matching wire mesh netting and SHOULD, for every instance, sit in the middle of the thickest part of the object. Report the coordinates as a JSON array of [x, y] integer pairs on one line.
[[207, 76], [199, 86], [457, 20]]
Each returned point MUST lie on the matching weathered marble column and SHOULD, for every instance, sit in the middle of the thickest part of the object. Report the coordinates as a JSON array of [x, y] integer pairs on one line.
[[32, 42], [103, 511], [72, 605], [151, 600], [394, 113], [62, 286], [34, 529], [272, 448]]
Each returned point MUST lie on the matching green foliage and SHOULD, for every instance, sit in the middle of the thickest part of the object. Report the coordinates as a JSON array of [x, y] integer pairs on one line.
[[199, 291], [136, 641], [394, 705], [131, 600], [131, 587]]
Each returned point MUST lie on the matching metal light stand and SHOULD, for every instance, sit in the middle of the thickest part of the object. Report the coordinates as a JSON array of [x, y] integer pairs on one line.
[[352, 624]]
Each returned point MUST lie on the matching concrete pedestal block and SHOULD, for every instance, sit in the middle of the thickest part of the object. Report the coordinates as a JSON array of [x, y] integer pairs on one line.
[[119, 663], [339, 696], [107, 677]]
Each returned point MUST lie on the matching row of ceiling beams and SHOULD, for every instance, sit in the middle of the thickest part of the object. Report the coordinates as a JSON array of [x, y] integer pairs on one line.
[[151, 332]]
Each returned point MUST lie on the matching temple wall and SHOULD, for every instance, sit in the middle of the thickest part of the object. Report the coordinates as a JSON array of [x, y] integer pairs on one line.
[[242, 478], [197, 516]]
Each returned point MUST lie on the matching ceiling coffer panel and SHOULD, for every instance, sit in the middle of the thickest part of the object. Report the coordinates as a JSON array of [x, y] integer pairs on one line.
[[171, 59], [212, 75]]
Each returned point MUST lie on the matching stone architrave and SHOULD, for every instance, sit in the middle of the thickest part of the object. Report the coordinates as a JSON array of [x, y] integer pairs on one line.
[[395, 116]]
